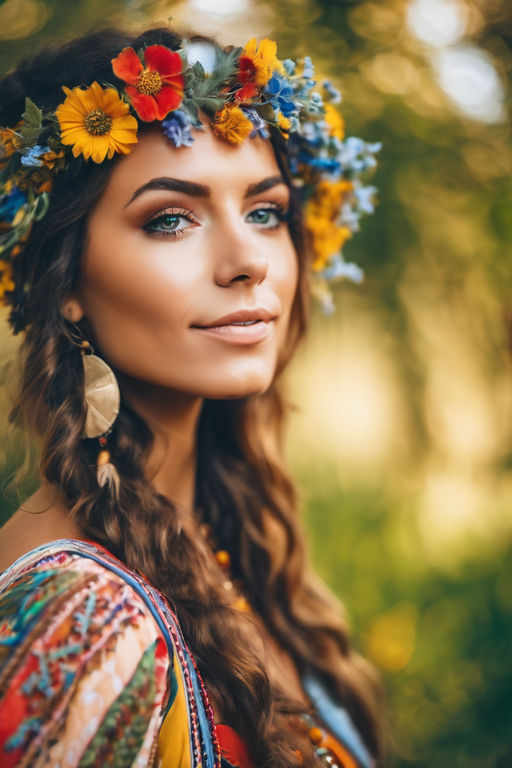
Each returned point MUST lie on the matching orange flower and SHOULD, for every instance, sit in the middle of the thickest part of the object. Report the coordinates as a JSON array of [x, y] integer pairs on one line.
[[156, 89], [232, 124], [9, 143], [46, 186], [50, 158], [6, 280]]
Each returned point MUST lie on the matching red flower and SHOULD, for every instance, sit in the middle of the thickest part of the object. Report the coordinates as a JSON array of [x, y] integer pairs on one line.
[[246, 76], [156, 89], [255, 67]]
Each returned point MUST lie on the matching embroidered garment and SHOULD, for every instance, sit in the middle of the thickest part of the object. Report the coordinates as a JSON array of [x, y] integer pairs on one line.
[[94, 671]]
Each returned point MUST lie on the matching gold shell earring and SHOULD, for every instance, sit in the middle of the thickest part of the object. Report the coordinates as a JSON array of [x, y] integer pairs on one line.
[[102, 399]]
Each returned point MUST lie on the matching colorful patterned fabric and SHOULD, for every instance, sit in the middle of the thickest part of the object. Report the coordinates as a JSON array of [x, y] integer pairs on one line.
[[92, 662], [94, 671]]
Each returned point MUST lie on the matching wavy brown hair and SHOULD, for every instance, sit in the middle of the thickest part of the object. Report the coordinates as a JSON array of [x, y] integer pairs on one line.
[[243, 490]]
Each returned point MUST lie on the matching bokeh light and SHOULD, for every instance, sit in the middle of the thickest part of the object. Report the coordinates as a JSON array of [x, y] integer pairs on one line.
[[223, 7], [437, 22], [469, 77]]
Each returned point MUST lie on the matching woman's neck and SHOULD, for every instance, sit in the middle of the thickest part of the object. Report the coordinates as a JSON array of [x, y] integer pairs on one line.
[[173, 418]]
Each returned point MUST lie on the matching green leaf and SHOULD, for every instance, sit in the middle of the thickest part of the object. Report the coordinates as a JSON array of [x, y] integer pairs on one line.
[[194, 76], [198, 70], [210, 105], [42, 204], [266, 111], [32, 122], [226, 66], [190, 108], [32, 115]]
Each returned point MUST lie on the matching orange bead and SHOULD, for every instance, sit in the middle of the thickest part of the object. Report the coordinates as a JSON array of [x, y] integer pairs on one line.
[[223, 558], [241, 604], [316, 735]]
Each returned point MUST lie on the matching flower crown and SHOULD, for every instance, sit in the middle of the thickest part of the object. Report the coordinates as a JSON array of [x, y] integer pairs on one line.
[[243, 92]]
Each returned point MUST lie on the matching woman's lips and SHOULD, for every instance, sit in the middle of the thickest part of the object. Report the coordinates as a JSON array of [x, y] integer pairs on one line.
[[245, 326], [238, 334]]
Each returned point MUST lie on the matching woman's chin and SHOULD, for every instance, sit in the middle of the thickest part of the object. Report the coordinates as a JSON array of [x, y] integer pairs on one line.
[[238, 387]]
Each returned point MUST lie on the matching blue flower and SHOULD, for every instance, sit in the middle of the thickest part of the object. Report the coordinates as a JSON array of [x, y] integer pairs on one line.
[[355, 155], [177, 128], [308, 69], [294, 124], [349, 217], [281, 95], [329, 165], [364, 197], [333, 93], [303, 90], [351, 154], [315, 104], [343, 269], [289, 67], [260, 125], [30, 157], [11, 203], [312, 133]]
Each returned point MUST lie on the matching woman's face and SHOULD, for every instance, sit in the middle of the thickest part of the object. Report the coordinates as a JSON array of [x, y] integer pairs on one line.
[[184, 245]]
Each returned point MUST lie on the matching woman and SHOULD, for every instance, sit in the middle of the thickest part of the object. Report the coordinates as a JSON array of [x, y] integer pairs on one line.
[[156, 605]]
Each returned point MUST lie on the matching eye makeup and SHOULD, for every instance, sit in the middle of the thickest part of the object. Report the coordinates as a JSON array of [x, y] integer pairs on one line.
[[166, 223]]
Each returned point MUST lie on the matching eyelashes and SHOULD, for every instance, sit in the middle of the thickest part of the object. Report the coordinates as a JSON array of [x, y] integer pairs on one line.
[[174, 222], [167, 223], [268, 216]]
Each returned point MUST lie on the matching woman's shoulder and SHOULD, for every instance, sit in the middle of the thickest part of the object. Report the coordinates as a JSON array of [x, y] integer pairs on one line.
[[43, 517], [85, 669]]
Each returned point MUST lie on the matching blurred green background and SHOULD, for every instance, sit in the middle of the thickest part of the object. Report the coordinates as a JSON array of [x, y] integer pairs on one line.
[[400, 438]]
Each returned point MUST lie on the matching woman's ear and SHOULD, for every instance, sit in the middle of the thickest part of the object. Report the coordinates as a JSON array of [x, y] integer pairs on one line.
[[72, 309]]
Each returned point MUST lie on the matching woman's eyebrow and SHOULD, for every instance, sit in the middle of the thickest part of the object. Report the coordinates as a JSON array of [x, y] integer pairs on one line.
[[174, 185], [262, 186]]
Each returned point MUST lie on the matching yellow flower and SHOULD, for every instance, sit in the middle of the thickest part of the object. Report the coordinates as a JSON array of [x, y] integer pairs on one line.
[[335, 122], [260, 61], [232, 124], [329, 196], [6, 279], [95, 121], [322, 212], [284, 125]]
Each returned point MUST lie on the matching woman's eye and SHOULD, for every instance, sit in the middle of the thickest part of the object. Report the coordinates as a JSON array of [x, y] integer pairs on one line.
[[267, 218], [169, 224]]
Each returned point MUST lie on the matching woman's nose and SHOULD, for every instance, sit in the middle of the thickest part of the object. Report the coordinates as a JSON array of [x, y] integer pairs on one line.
[[241, 254]]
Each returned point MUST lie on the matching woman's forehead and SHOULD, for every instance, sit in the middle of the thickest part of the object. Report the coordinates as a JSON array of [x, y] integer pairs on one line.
[[209, 161]]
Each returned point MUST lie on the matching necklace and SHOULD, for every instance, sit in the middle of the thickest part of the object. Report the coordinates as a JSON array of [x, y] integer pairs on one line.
[[330, 751], [234, 587]]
